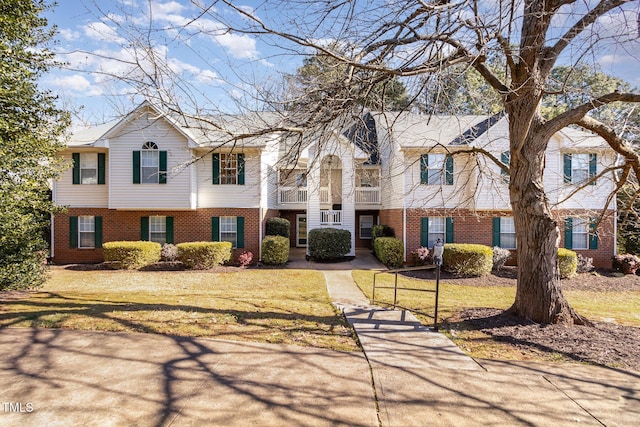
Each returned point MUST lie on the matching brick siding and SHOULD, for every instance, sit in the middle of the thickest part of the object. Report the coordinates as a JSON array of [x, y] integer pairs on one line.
[[189, 226], [472, 227]]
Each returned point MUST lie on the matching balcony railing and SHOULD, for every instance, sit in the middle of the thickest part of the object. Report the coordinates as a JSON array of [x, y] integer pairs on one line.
[[368, 195], [292, 195], [330, 217]]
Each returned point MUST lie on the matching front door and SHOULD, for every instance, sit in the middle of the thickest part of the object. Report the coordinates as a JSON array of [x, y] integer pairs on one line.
[[301, 230]]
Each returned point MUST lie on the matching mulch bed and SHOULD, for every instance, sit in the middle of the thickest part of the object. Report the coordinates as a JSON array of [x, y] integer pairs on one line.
[[607, 344]]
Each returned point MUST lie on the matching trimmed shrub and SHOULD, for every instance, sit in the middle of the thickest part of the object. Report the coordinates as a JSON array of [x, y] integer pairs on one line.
[[466, 259], [169, 252], [500, 257], [567, 263], [381, 230], [275, 250], [389, 251], [278, 227], [131, 255], [585, 264], [326, 244], [204, 255], [626, 263]]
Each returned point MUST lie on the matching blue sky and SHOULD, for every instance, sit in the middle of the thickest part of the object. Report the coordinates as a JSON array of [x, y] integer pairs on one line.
[[201, 59]]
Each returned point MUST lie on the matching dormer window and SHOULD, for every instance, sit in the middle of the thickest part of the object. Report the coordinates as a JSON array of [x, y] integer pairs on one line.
[[150, 165]]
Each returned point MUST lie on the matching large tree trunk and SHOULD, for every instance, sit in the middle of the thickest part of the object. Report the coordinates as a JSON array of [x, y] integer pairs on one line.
[[539, 296]]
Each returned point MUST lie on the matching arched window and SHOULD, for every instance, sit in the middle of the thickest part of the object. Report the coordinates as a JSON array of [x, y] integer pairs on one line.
[[149, 163]]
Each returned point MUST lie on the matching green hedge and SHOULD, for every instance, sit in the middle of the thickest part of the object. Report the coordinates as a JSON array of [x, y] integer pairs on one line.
[[567, 263], [204, 255], [326, 244], [275, 250], [131, 255], [278, 227], [389, 250], [381, 230], [467, 259]]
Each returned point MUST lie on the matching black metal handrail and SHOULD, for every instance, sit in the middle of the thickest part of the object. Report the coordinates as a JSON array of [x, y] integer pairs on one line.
[[395, 288]]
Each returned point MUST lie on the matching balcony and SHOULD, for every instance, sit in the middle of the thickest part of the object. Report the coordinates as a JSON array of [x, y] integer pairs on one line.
[[368, 195], [292, 195], [330, 217]]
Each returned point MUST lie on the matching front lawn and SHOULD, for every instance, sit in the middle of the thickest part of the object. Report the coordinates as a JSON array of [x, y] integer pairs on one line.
[[277, 306]]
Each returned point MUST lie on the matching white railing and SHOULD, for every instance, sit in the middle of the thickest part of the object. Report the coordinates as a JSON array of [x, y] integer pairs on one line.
[[292, 195], [324, 195], [329, 217], [368, 195]]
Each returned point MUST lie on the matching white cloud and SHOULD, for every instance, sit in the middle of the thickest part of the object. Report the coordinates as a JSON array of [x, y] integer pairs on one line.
[[68, 35], [238, 46], [76, 83], [207, 77]]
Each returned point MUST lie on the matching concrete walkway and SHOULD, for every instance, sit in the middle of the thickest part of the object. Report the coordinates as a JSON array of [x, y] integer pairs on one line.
[[422, 379]]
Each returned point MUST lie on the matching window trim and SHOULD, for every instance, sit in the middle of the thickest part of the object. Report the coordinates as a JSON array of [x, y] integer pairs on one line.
[[503, 233], [222, 219], [149, 148], [153, 220], [83, 159], [92, 232], [581, 235], [445, 172]]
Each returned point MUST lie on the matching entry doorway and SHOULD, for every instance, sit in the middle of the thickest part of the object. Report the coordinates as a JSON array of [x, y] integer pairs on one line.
[[301, 230]]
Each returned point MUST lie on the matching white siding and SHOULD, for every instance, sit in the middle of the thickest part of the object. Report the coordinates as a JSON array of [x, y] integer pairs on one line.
[[454, 196], [80, 195], [492, 190], [176, 193], [229, 195], [393, 168]]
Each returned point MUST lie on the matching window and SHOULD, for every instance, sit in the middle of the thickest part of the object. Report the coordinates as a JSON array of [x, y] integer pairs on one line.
[[158, 229], [434, 228], [436, 169], [580, 168], [150, 163], [88, 168], [86, 232], [228, 169], [366, 225], [504, 232], [507, 233], [436, 231], [229, 230], [580, 234]]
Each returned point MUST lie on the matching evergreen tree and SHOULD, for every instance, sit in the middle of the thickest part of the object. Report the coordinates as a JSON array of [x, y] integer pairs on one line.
[[31, 127]]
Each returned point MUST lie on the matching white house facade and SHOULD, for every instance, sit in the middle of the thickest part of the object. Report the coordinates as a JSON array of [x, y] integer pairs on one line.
[[151, 177]]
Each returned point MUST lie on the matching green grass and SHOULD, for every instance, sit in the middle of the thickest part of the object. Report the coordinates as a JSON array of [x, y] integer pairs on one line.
[[278, 306]]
